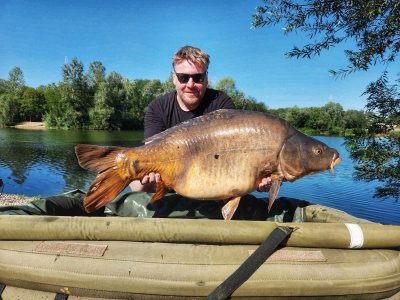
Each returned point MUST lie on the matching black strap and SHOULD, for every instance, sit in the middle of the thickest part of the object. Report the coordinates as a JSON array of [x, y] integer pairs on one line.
[[60, 296], [2, 287], [251, 264]]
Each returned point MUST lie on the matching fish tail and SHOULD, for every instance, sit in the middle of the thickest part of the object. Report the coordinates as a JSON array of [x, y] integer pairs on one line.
[[114, 172]]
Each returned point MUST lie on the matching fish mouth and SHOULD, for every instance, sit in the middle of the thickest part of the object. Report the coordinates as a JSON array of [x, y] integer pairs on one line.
[[335, 161]]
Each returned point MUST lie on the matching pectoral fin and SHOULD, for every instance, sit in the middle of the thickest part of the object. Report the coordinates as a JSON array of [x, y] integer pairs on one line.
[[229, 208], [273, 192]]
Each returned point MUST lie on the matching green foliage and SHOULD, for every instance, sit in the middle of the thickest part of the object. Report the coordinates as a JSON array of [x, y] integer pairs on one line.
[[355, 119], [100, 114], [32, 104], [374, 25], [5, 109], [378, 159], [10, 100], [168, 86], [82, 100], [16, 82], [110, 102], [95, 101], [95, 75], [376, 150], [3, 86], [52, 111], [141, 93], [384, 106], [239, 98], [329, 119], [75, 96]]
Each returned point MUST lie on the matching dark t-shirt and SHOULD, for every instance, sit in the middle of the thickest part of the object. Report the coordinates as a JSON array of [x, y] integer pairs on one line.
[[164, 112]]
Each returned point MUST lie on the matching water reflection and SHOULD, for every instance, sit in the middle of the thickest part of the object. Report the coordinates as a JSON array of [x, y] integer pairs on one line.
[[44, 163]]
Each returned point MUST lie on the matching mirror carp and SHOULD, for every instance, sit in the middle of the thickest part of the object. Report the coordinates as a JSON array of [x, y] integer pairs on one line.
[[222, 155]]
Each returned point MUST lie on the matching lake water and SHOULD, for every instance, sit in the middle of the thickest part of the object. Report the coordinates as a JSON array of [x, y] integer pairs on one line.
[[44, 163]]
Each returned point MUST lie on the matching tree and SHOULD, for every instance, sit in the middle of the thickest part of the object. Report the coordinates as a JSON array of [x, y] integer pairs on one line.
[[95, 76], [354, 120], [75, 96], [377, 153], [140, 93], [110, 103], [374, 26], [16, 81], [168, 85], [10, 100], [32, 104], [100, 114], [53, 112], [6, 104], [317, 120], [334, 112], [250, 103], [383, 105], [296, 116], [3, 86], [239, 98], [228, 86]]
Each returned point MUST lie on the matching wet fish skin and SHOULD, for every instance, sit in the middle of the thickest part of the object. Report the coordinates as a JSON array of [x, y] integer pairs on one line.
[[218, 156]]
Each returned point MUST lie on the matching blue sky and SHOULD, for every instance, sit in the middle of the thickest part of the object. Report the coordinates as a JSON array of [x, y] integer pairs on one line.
[[138, 38]]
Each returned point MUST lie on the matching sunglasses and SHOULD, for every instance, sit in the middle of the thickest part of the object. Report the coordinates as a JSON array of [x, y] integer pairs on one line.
[[197, 78]]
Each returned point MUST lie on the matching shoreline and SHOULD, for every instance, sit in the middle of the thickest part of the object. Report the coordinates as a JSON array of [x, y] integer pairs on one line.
[[31, 126]]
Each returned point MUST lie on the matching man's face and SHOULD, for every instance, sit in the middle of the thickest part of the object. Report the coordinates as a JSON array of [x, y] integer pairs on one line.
[[189, 93]]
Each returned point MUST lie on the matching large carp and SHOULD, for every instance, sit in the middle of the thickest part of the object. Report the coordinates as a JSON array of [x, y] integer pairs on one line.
[[219, 156]]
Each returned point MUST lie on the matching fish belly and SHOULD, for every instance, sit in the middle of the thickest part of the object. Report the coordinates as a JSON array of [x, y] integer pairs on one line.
[[220, 175]]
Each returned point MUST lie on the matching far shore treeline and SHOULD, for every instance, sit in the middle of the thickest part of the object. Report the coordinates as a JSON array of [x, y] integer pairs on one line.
[[92, 99]]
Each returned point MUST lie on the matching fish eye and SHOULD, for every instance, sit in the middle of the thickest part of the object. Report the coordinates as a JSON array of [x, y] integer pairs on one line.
[[317, 150]]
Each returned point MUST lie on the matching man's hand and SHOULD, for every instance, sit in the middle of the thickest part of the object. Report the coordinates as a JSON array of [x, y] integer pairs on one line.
[[151, 178], [147, 184], [265, 184]]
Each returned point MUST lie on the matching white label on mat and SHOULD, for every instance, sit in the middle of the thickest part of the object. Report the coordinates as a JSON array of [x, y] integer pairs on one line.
[[356, 235]]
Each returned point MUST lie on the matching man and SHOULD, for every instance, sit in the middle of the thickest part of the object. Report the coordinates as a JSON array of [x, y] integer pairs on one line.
[[190, 99]]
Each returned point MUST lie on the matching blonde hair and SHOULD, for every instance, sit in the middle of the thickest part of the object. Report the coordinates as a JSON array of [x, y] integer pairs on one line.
[[192, 54]]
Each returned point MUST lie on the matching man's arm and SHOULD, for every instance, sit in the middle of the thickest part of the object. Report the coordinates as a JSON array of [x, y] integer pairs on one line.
[[153, 124]]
